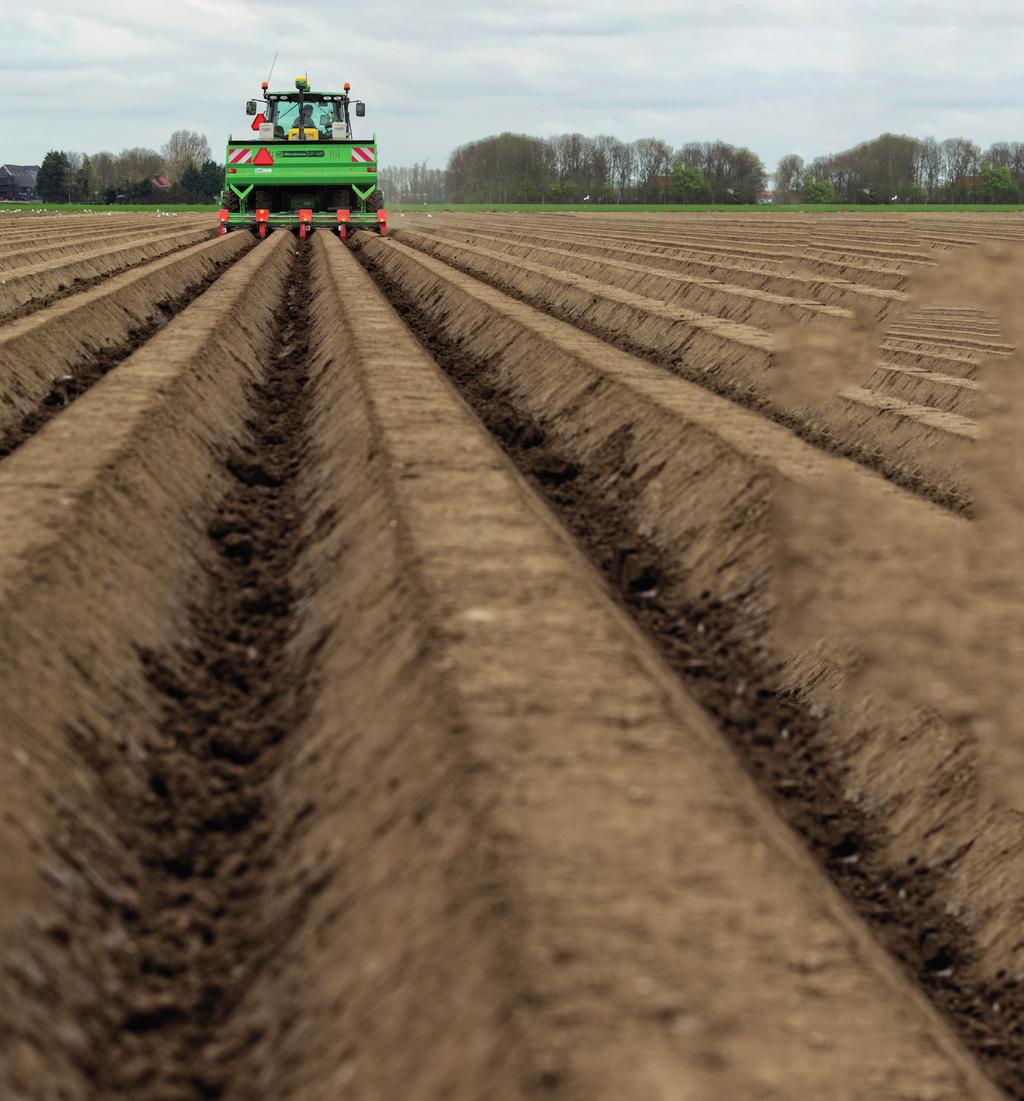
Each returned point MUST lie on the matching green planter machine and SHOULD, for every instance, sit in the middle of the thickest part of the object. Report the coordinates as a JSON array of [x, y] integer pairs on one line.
[[302, 168]]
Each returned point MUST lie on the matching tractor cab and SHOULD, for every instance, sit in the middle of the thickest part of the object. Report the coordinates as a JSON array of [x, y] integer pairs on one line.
[[304, 115]]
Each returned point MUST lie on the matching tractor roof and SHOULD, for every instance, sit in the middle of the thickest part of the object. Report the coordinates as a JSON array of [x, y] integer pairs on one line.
[[291, 93]]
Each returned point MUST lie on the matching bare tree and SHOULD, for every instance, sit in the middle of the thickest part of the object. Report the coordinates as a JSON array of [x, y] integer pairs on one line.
[[185, 149], [623, 168], [136, 164], [653, 161], [929, 168], [960, 162], [789, 178], [105, 167]]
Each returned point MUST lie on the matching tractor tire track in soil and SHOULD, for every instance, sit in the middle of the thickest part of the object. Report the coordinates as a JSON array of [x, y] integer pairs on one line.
[[232, 696], [776, 736]]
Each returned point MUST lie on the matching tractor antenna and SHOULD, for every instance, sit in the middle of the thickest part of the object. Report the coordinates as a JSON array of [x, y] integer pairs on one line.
[[272, 64]]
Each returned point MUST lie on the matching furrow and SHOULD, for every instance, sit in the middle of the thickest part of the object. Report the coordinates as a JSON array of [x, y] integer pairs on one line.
[[713, 296], [734, 350], [728, 358], [66, 251], [847, 248], [949, 341], [598, 242], [681, 481], [952, 393], [52, 356], [111, 502], [910, 354], [941, 421], [17, 236], [31, 288]]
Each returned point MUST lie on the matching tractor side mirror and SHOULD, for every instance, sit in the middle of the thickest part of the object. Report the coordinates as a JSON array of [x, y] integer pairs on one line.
[[250, 107], [360, 110]]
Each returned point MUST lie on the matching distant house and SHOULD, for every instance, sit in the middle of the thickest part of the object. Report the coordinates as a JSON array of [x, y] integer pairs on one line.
[[160, 183], [18, 181]]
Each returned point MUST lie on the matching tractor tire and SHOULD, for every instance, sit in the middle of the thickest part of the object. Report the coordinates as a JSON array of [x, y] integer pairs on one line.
[[230, 201], [375, 202]]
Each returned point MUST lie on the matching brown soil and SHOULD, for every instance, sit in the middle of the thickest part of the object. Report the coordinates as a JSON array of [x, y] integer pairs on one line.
[[729, 359], [232, 698], [719, 655], [95, 333], [33, 286], [447, 703]]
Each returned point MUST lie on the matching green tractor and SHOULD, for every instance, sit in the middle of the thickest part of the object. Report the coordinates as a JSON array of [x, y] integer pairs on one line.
[[302, 168]]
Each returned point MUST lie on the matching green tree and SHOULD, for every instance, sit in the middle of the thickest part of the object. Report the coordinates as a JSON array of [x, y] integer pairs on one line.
[[997, 184], [603, 193], [85, 180], [211, 177], [191, 183], [52, 180], [689, 184], [748, 176], [139, 191], [818, 191], [571, 191]]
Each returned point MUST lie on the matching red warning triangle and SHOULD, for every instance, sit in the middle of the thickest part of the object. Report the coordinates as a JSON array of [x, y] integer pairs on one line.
[[263, 157]]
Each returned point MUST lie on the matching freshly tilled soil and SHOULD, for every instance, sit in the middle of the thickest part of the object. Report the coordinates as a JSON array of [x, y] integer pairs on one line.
[[360, 764], [716, 645], [54, 356]]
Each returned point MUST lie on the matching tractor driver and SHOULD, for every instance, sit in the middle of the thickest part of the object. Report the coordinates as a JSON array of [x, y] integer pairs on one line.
[[305, 121]]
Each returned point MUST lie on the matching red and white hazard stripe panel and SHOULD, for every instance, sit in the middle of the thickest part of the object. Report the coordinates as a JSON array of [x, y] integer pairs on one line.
[[240, 156], [363, 154]]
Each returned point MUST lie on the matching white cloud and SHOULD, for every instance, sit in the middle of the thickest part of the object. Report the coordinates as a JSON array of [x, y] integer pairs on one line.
[[791, 75]]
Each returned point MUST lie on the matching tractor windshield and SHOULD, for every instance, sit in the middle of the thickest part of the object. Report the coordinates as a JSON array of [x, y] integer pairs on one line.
[[317, 112]]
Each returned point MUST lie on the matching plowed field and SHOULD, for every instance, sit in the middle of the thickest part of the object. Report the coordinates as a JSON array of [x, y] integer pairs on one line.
[[522, 657]]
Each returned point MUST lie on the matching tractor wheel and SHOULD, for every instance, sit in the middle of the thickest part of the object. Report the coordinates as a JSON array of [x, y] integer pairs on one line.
[[375, 202], [230, 201]]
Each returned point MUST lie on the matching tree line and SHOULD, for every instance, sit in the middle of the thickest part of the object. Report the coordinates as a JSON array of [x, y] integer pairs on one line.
[[899, 168], [413, 184], [574, 168], [127, 177]]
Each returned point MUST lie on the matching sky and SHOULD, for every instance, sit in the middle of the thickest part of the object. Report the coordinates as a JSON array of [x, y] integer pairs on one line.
[[788, 76]]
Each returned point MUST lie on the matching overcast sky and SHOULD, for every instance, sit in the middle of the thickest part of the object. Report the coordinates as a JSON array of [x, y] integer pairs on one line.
[[779, 77]]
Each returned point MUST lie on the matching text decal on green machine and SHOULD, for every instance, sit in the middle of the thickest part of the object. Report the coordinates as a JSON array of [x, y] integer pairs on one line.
[[301, 153]]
